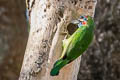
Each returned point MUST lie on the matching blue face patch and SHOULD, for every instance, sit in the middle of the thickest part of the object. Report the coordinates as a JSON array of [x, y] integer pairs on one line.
[[80, 24], [83, 17]]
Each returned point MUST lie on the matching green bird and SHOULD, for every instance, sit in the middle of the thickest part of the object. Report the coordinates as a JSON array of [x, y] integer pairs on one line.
[[76, 44]]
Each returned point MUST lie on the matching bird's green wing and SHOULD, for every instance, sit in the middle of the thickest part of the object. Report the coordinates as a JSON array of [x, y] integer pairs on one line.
[[67, 43]]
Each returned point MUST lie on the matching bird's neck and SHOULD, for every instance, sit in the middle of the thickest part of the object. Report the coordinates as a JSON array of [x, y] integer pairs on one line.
[[91, 24]]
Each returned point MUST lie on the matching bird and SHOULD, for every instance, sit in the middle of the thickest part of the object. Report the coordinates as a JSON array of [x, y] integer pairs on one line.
[[76, 44]]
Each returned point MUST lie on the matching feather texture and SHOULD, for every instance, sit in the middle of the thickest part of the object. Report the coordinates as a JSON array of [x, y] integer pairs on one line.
[[75, 45]]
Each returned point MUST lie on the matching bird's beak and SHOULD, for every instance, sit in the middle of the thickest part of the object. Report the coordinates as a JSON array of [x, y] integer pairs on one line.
[[75, 21]]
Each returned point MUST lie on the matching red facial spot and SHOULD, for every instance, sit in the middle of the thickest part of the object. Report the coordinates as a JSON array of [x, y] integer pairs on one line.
[[83, 22], [85, 16]]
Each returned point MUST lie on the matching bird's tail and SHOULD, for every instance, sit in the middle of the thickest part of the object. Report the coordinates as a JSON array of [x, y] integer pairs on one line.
[[57, 66]]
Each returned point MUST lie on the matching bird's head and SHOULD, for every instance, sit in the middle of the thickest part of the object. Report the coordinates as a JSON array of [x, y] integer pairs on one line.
[[82, 21]]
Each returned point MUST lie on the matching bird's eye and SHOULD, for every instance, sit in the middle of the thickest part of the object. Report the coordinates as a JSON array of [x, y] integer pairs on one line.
[[85, 19]]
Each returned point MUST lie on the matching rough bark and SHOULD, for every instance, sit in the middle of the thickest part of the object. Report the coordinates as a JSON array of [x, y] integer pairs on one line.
[[13, 38], [49, 20]]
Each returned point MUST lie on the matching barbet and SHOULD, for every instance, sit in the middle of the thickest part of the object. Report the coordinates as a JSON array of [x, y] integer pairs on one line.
[[76, 44]]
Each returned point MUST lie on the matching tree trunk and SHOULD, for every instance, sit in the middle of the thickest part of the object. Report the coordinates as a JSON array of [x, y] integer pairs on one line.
[[49, 20]]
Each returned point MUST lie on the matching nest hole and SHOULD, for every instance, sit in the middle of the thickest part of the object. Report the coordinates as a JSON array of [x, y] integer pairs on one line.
[[72, 28]]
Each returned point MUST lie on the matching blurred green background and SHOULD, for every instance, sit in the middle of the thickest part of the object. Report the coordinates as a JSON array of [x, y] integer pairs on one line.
[[101, 61]]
